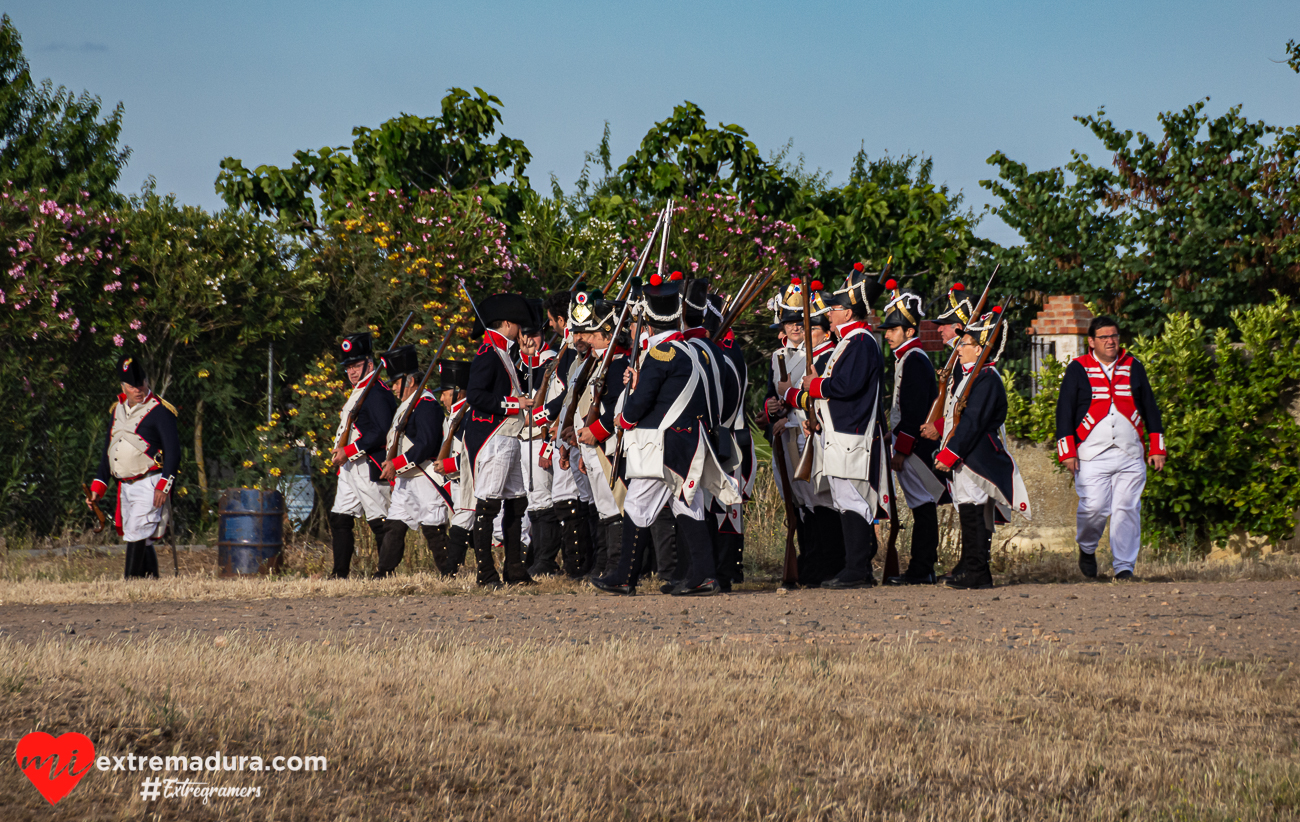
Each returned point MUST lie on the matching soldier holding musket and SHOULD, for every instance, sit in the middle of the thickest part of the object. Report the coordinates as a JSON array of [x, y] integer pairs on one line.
[[143, 454], [359, 452], [852, 454], [415, 500], [730, 540], [915, 389]]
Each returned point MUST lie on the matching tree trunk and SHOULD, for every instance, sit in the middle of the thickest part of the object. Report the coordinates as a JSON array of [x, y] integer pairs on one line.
[[198, 457]]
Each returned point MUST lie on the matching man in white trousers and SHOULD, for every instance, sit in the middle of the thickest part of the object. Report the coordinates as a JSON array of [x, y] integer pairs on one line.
[[1107, 421]]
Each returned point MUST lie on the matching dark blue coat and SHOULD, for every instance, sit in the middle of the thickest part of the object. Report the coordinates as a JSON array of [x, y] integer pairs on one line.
[[491, 392], [977, 439], [374, 420], [665, 373], [158, 429], [424, 430]]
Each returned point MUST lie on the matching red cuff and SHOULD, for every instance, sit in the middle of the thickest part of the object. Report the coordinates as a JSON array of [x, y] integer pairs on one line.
[[1158, 445], [510, 405], [598, 431], [938, 426], [947, 458], [1065, 448], [540, 417], [98, 487], [815, 388], [350, 451], [165, 484], [628, 426], [792, 396], [400, 462], [903, 443], [449, 465]]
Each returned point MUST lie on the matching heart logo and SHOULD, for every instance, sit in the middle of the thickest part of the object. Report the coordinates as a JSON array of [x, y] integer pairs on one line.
[[55, 765]]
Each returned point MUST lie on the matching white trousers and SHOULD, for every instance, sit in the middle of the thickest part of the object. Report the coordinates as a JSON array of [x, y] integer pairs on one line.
[[910, 483], [606, 505], [497, 474], [462, 493], [357, 496], [415, 502], [964, 489], [539, 495], [647, 497], [1110, 485], [571, 484], [140, 520], [844, 497]]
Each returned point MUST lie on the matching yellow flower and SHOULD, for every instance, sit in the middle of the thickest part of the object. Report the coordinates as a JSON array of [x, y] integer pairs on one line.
[[275, 472], [248, 463], [424, 342], [203, 373], [293, 412]]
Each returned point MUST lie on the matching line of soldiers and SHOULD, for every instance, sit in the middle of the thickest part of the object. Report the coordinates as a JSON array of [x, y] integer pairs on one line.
[[597, 442]]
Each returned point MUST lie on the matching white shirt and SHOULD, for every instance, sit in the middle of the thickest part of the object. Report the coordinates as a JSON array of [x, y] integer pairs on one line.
[[1112, 431]]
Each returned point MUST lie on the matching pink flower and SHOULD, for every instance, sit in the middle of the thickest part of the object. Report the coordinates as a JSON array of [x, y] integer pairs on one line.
[[140, 337], [118, 341]]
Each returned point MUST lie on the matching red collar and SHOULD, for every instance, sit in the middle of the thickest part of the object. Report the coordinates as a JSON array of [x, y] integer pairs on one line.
[[695, 333], [671, 336], [495, 340], [899, 352], [843, 330], [532, 362], [828, 344]]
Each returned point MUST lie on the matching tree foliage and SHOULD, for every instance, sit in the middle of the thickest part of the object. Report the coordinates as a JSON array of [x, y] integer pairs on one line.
[[1199, 221], [451, 152], [51, 138]]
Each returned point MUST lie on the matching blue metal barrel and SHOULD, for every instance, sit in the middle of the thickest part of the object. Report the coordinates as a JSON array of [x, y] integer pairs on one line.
[[250, 531]]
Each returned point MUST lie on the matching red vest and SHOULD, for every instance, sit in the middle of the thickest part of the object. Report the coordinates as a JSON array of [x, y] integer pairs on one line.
[[1104, 393]]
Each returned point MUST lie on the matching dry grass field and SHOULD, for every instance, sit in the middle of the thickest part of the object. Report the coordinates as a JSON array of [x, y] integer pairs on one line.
[[420, 728]]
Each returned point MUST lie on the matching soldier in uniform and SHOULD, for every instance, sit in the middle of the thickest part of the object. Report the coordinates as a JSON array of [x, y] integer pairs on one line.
[[668, 456], [915, 389], [143, 454], [542, 533], [593, 319], [952, 322], [492, 427], [459, 485], [416, 499], [986, 483], [1105, 416], [852, 451], [360, 492], [730, 520]]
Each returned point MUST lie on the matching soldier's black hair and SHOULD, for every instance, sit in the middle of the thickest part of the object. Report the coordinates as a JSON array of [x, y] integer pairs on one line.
[[557, 303], [1098, 323]]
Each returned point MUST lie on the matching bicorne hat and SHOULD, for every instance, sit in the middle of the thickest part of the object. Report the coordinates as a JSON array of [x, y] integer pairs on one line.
[[904, 308], [506, 306], [131, 372], [990, 327], [960, 308]]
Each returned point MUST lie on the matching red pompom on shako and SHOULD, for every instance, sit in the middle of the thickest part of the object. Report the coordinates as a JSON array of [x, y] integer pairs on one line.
[[997, 309], [957, 287], [677, 275], [815, 285], [858, 267], [891, 284], [795, 281], [656, 279]]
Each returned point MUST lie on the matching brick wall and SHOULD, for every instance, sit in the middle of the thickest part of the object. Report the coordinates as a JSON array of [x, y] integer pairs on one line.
[[1062, 314], [930, 340]]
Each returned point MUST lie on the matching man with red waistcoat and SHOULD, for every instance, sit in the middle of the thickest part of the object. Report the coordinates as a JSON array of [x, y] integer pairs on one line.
[[1106, 421]]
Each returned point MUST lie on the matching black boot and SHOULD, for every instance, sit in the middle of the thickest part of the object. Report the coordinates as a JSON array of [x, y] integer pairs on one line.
[[392, 548], [701, 576], [595, 539], [925, 548], [826, 559], [343, 543], [458, 542], [148, 559], [547, 537], [663, 532], [976, 545], [731, 559], [435, 536], [512, 535], [576, 541], [137, 565], [485, 513], [600, 547], [613, 530], [623, 579], [859, 550]]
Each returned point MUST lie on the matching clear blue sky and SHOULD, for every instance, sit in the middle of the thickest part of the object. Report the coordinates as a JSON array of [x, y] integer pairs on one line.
[[955, 80]]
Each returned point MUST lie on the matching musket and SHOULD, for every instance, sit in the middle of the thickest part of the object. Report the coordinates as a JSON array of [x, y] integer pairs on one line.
[[804, 470], [959, 404], [101, 520], [602, 372], [945, 374], [456, 419], [365, 391], [617, 271], [790, 568], [636, 369], [740, 306]]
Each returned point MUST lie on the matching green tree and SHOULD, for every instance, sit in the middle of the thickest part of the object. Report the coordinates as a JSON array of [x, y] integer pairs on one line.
[[449, 152], [52, 139], [1201, 220]]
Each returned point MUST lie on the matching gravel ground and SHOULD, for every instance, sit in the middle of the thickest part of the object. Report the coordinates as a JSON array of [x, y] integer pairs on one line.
[[1239, 621]]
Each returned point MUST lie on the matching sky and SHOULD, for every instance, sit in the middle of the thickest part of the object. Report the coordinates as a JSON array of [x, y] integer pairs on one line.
[[955, 81]]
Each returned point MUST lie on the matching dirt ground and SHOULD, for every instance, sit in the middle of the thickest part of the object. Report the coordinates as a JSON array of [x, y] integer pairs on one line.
[[1240, 621]]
